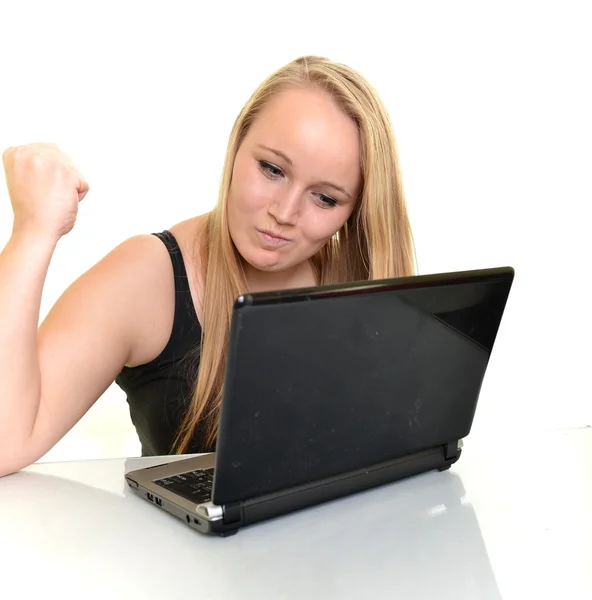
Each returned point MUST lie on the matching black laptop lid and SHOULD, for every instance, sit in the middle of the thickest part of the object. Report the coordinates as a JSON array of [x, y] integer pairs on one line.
[[327, 380]]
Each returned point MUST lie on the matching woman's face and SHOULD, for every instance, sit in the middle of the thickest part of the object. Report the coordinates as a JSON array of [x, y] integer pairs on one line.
[[295, 181]]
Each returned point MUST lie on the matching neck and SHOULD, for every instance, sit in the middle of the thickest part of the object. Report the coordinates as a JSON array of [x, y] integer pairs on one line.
[[262, 281]]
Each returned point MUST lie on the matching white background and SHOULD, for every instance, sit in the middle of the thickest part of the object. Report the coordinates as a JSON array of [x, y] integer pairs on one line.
[[491, 105]]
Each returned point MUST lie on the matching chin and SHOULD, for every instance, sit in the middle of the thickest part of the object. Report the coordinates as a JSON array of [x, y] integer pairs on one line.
[[263, 260]]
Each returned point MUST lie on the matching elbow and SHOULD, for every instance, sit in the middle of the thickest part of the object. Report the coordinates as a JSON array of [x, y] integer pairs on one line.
[[9, 468], [14, 458], [4, 472]]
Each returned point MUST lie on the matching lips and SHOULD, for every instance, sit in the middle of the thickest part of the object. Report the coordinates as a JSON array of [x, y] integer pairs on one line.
[[272, 237]]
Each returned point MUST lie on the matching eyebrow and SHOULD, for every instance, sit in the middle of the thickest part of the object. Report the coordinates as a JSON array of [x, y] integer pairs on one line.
[[284, 157]]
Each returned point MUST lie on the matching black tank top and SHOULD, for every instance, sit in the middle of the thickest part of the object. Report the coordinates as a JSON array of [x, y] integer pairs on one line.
[[159, 392]]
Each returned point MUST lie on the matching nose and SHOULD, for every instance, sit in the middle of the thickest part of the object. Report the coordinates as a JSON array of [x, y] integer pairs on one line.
[[285, 207]]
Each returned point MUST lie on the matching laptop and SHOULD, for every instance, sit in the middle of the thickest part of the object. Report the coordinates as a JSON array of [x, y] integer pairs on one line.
[[333, 390]]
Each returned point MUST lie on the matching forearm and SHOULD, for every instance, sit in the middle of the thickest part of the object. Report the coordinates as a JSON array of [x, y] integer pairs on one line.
[[24, 264]]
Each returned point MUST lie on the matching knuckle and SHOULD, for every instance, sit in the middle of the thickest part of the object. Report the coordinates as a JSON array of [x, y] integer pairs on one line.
[[8, 155], [23, 153]]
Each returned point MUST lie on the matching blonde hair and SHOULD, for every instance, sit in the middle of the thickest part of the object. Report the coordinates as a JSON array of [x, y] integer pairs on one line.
[[375, 243]]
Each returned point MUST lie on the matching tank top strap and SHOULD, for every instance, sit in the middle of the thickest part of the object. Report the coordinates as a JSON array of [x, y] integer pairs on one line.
[[185, 318], [179, 269]]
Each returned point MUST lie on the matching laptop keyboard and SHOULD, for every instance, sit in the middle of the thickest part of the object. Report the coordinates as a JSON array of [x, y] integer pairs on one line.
[[193, 485]]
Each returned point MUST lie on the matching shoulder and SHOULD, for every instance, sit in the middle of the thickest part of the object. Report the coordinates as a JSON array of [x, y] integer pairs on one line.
[[144, 263], [140, 251], [138, 272], [137, 266], [146, 257]]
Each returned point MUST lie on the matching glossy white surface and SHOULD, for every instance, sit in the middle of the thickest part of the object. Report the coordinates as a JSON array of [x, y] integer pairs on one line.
[[513, 521]]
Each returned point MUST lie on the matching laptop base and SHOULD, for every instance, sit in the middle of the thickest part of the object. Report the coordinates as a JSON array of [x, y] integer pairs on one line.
[[229, 519]]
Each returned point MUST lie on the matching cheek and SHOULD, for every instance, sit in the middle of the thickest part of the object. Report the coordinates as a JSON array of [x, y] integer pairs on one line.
[[249, 191], [325, 223]]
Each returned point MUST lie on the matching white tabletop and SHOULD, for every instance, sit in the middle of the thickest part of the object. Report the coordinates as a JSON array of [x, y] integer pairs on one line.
[[512, 520]]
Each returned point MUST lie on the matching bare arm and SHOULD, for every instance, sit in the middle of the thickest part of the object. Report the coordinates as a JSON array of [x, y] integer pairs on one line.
[[23, 268], [118, 312]]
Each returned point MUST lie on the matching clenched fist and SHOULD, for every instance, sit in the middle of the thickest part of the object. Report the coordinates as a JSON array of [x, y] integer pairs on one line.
[[45, 189]]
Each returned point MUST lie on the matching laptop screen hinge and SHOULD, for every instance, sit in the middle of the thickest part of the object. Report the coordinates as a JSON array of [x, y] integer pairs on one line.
[[233, 513], [452, 450]]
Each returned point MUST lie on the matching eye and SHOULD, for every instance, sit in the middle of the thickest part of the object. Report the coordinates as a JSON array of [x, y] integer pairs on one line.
[[269, 170], [325, 201]]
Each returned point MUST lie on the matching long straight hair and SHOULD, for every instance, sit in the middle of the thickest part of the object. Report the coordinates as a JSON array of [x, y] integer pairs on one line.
[[375, 243]]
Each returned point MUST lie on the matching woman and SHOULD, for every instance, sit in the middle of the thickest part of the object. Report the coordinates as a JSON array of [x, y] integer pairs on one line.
[[310, 194]]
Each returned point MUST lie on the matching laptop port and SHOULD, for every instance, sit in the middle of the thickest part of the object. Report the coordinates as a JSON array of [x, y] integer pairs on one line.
[[158, 501], [188, 518], [150, 496]]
